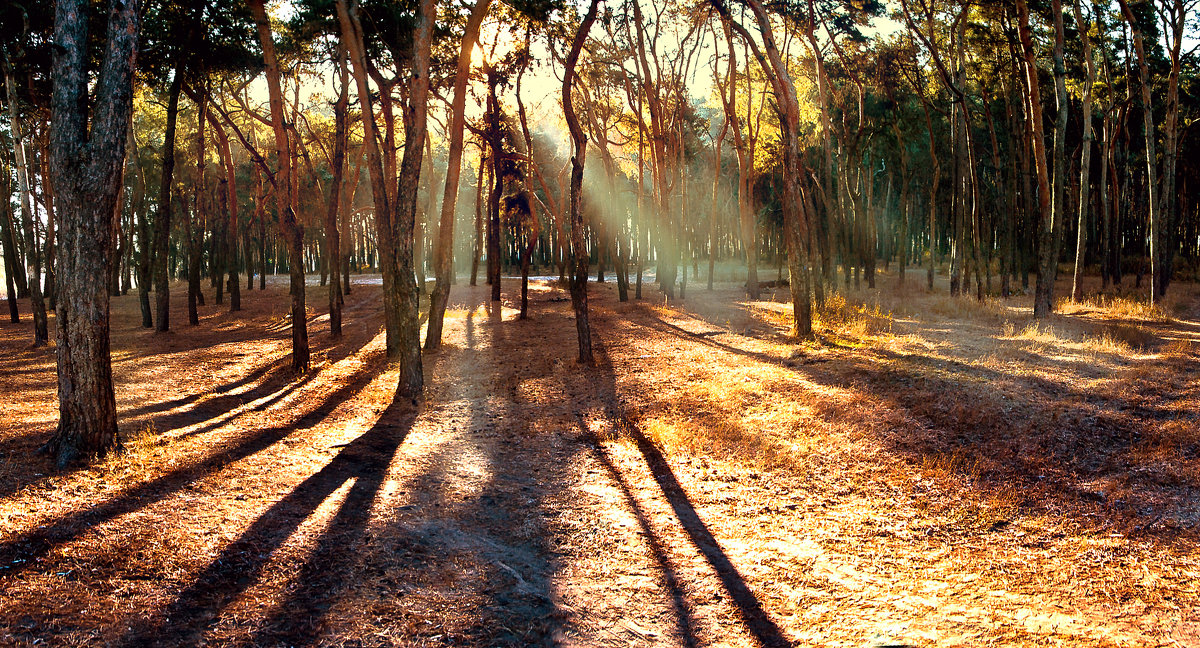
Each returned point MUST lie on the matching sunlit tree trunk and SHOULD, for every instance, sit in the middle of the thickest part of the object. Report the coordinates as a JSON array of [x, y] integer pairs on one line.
[[1042, 299], [287, 191], [796, 218], [443, 255]]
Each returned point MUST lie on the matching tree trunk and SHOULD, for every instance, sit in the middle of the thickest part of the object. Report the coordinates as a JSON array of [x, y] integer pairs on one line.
[[195, 220], [1043, 291], [408, 349], [1085, 162], [579, 297], [443, 255], [337, 163], [87, 166], [162, 221], [287, 193], [41, 333]]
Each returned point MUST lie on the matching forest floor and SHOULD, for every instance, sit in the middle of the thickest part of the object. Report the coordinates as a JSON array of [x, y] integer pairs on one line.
[[930, 471]]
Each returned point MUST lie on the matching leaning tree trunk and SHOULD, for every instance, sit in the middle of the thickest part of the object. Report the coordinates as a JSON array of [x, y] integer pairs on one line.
[[87, 167], [579, 277], [443, 254]]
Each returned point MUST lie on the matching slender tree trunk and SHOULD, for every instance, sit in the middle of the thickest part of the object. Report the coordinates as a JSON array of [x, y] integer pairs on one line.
[[41, 333], [1043, 291], [495, 144], [230, 209], [195, 220], [287, 193], [333, 240], [477, 249], [10, 251], [1085, 162], [1060, 180], [579, 297], [443, 256], [162, 221], [411, 380]]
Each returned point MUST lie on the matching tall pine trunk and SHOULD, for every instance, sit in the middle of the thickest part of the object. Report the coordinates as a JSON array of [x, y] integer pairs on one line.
[[87, 166]]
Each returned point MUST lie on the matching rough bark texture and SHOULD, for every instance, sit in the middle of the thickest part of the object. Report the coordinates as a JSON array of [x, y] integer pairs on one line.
[[796, 217], [87, 171], [411, 381]]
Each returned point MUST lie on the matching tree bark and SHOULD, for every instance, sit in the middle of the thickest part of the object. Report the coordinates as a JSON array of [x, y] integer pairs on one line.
[[579, 297], [229, 201], [287, 193], [162, 221], [41, 333], [1085, 161], [87, 166], [1043, 290], [337, 163], [443, 255]]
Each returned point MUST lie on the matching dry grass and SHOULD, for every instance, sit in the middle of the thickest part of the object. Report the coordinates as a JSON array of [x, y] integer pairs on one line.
[[975, 429], [938, 471]]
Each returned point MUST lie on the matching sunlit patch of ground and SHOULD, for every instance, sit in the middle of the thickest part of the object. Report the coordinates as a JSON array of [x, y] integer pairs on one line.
[[995, 478], [928, 471]]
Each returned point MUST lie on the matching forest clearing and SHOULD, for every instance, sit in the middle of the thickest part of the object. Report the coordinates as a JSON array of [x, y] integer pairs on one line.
[[600, 323], [929, 472]]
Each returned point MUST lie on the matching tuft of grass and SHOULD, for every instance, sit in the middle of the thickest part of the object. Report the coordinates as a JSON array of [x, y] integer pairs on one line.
[[1120, 338], [1114, 306], [948, 466], [1033, 332], [843, 317]]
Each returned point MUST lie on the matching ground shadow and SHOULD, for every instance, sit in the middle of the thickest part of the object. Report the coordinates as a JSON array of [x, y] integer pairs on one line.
[[23, 552], [748, 607], [1055, 440]]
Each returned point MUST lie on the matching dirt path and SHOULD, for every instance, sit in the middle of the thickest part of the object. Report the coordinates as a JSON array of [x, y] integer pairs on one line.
[[705, 485]]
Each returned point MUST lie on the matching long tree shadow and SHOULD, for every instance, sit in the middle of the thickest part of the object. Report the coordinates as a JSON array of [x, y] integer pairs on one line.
[[467, 505], [1053, 438], [364, 460], [23, 552], [748, 607], [684, 621]]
